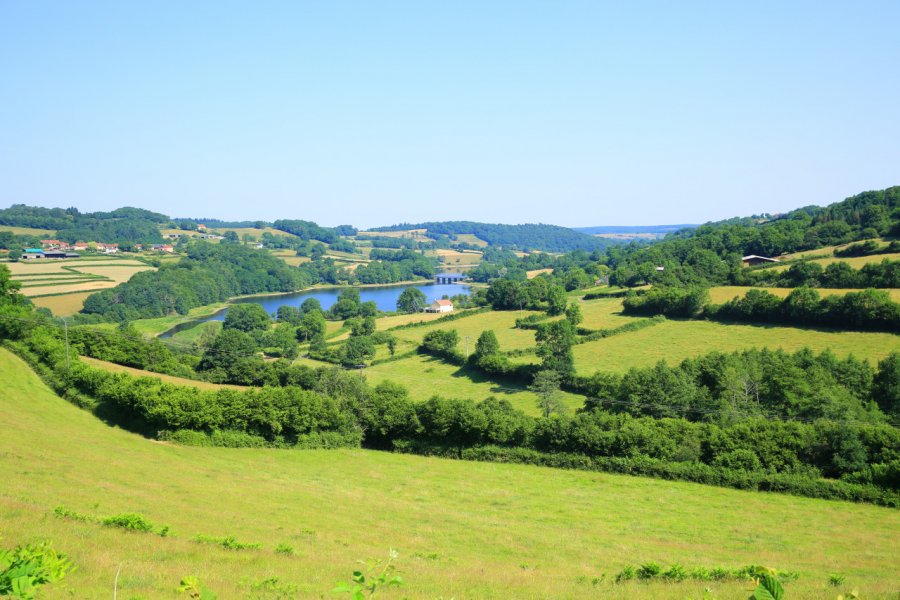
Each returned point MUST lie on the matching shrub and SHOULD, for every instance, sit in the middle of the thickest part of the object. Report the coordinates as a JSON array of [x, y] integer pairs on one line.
[[129, 521], [227, 542], [26, 568]]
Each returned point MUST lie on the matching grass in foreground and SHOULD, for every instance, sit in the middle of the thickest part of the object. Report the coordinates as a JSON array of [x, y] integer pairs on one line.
[[464, 530]]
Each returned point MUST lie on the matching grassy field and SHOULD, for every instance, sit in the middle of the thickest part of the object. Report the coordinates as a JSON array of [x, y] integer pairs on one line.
[[44, 234], [413, 233], [857, 262], [163, 324], [462, 530], [604, 314], [425, 376], [471, 238], [676, 340], [828, 250], [64, 305], [502, 322], [290, 257], [718, 295], [202, 385], [454, 258]]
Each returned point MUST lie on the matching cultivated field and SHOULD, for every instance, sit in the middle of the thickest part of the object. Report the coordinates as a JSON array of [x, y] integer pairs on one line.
[[462, 530], [54, 277], [63, 305]]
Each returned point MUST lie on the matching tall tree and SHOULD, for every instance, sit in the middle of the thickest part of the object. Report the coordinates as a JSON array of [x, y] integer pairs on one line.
[[412, 300]]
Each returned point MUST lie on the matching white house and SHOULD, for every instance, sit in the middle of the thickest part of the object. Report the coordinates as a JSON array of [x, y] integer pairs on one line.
[[440, 306]]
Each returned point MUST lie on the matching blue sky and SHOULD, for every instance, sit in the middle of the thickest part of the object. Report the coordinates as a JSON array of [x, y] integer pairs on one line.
[[575, 113]]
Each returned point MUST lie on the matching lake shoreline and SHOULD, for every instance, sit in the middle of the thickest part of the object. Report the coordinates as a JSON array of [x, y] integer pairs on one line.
[[204, 317]]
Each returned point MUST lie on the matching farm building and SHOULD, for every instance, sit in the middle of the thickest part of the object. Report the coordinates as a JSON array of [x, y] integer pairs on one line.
[[439, 306], [449, 278], [59, 254], [163, 248], [32, 254], [753, 259]]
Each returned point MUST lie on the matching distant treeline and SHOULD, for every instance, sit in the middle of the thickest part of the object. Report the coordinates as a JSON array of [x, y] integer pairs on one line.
[[124, 225], [549, 238], [634, 228]]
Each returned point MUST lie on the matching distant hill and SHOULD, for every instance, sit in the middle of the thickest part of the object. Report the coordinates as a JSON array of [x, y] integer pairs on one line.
[[532, 236], [624, 229]]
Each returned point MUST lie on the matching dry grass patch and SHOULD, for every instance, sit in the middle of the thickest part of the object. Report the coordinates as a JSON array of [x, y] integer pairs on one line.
[[66, 288], [63, 305]]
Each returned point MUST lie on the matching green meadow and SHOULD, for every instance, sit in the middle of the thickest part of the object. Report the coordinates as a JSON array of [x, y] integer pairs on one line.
[[462, 530], [675, 340]]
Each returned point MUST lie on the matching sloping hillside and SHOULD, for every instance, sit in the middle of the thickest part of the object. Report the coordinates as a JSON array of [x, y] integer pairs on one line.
[[464, 530]]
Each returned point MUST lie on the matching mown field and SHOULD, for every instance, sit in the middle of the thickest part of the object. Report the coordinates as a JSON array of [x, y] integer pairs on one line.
[[462, 530]]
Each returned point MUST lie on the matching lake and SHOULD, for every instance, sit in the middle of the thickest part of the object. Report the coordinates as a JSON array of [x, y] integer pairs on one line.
[[385, 298]]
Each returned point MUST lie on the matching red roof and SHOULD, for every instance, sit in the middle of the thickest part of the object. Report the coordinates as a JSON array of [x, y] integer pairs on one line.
[[443, 303]]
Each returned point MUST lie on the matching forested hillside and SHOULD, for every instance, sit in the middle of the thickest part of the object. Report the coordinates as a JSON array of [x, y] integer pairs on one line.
[[124, 225], [712, 253], [549, 238], [209, 273]]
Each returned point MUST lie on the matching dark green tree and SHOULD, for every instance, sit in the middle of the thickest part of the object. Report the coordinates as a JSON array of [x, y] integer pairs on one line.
[[412, 300]]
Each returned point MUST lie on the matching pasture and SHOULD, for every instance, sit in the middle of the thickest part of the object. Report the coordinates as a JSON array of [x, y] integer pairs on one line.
[[856, 262], [425, 376], [718, 295], [674, 341], [461, 529], [502, 322]]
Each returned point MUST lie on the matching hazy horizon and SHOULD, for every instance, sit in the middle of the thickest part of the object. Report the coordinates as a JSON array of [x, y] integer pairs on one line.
[[577, 114]]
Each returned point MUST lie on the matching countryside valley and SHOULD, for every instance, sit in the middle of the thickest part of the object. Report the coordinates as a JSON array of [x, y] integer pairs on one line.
[[247, 408]]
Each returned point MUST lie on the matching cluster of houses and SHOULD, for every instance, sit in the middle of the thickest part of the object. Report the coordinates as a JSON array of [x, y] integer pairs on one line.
[[57, 249]]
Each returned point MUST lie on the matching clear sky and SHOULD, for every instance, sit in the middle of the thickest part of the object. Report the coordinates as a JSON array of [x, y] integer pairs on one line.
[[372, 113]]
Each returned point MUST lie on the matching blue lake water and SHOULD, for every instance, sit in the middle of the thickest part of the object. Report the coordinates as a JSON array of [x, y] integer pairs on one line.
[[385, 298]]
